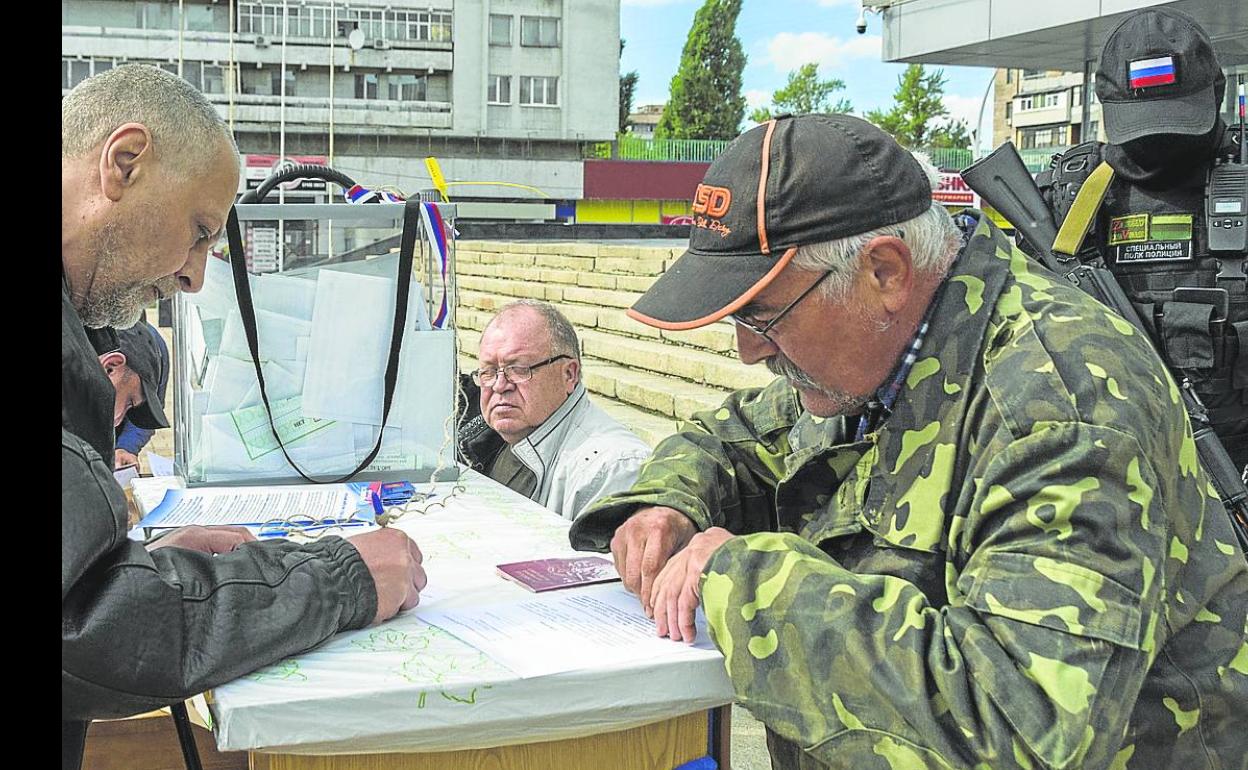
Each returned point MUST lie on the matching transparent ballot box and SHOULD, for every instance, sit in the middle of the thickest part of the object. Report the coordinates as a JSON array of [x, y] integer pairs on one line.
[[324, 314]]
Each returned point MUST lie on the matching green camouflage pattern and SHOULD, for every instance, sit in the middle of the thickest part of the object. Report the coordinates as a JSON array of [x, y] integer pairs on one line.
[[1024, 567]]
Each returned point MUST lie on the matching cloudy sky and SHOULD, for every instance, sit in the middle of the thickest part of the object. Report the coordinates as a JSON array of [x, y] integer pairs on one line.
[[779, 36]]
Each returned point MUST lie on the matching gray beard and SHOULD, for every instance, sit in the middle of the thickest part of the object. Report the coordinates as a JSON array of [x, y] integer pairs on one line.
[[108, 303], [843, 402]]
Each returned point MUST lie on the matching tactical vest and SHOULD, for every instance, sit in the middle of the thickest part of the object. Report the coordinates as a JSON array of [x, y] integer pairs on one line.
[[1156, 244]]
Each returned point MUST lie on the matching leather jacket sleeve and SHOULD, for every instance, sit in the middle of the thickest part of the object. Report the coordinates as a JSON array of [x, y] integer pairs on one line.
[[142, 629]]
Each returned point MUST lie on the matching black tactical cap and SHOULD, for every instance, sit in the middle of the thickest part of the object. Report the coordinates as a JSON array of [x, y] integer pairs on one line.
[[1158, 75], [149, 359], [788, 182]]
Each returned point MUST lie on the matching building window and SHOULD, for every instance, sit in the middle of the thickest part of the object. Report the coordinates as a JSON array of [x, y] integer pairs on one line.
[[500, 29], [500, 90], [193, 73], [1009, 110], [1038, 102], [257, 19], [539, 91], [366, 86], [1044, 136], [214, 79], [539, 31], [1034, 74], [408, 88], [155, 16], [277, 82], [423, 26], [74, 71]]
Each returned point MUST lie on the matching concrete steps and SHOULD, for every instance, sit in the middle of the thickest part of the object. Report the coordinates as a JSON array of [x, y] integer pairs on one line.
[[645, 377]]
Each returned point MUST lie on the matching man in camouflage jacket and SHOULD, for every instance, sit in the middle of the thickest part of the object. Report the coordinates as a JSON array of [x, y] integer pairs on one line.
[[1017, 563]]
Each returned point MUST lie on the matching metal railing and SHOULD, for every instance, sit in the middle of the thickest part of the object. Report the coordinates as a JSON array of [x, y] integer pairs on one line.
[[629, 147]]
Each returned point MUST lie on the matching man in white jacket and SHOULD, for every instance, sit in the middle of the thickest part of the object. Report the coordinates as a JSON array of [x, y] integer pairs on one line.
[[562, 450]]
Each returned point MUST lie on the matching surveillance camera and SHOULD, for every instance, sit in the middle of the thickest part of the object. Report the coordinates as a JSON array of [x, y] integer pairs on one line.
[[861, 26]]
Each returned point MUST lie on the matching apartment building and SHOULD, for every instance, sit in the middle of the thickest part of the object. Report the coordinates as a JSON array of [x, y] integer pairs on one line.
[[503, 92], [1042, 109]]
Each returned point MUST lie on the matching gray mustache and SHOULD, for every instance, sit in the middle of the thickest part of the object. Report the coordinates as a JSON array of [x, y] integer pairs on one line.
[[781, 366]]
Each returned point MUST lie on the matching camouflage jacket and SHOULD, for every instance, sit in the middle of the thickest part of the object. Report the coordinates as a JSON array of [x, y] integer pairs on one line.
[[1023, 567]]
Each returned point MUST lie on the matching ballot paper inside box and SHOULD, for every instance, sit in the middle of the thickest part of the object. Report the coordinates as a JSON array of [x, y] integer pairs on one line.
[[323, 327]]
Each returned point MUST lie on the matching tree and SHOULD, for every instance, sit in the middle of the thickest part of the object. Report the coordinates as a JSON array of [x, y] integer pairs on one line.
[[954, 135], [628, 86], [804, 94], [917, 103], [705, 100]]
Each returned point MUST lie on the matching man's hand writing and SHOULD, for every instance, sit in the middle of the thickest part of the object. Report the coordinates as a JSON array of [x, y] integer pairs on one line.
[[395, 564]]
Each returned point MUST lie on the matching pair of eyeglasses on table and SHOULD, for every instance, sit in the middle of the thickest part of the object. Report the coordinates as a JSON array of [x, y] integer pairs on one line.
[[420, 503]]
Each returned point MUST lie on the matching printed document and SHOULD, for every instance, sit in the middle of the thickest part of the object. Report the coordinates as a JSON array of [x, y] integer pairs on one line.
[[570, 630], [251, 505]]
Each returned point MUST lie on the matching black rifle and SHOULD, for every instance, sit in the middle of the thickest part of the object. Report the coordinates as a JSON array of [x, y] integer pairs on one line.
[[1003, 181]]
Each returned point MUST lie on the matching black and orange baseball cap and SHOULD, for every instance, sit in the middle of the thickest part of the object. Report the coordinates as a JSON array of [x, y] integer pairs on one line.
[[788, 182]]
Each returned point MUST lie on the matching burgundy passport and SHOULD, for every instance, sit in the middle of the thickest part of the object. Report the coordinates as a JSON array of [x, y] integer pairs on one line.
[[549, 574]]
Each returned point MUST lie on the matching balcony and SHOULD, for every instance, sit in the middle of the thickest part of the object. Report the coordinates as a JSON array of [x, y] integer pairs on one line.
[[355, 115]]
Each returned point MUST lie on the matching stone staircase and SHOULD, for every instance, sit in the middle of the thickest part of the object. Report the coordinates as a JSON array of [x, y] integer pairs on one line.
[[644, 377]]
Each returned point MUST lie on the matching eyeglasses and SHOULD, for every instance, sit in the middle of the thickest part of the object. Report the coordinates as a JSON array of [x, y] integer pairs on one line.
[[513, 373], [763, 329]]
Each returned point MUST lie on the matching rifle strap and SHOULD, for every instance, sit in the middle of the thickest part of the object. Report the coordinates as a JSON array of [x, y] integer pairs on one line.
[[1083, 211]]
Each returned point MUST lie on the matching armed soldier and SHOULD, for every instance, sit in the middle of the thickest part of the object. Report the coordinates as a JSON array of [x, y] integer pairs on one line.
[[1179, 259]]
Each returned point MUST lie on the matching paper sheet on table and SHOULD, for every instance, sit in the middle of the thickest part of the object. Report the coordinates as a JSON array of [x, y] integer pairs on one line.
[[350, 346], [123, 476], [547, 634], [159, 464], [251, 505]]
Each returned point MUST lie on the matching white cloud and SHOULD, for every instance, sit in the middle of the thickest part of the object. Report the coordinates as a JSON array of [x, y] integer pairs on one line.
[[965, 108], [755, 98], [789, 50], [649, 3]]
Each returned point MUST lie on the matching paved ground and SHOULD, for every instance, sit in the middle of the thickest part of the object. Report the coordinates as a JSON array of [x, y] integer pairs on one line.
[[749, 743]]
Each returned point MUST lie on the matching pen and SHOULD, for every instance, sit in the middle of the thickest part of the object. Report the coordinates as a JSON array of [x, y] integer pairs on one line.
[[379, 511]]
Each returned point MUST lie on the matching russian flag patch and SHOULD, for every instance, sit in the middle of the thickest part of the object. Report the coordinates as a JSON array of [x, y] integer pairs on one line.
[[1146, 73]]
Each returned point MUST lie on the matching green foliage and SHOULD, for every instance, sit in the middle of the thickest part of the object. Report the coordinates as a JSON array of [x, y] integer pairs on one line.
[[953, 135], [917, 103], [804, 94], [705, 100], [628, 87]]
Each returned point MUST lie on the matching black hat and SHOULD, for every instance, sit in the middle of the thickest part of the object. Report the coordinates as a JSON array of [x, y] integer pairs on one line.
[[789, 182], [147, 355], [1158, 75]]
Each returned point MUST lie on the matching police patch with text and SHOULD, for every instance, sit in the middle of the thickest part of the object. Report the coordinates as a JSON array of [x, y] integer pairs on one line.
[[1151, 237]]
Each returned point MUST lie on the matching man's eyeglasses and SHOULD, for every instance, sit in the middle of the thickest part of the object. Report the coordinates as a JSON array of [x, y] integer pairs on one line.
[[771, 324], [513, 373]]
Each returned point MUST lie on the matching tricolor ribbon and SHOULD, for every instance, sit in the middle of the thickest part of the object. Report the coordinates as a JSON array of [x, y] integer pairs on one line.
[[436, 232]]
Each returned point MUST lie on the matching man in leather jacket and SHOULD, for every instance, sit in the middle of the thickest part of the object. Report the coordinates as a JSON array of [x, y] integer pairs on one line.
[[148, 174]]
